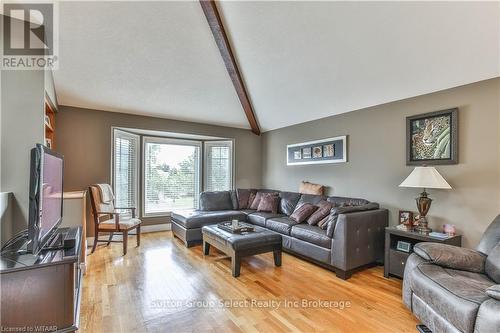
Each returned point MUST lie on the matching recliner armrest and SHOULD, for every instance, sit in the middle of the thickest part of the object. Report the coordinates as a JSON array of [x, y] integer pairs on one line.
[[494, 292], [450, 256]]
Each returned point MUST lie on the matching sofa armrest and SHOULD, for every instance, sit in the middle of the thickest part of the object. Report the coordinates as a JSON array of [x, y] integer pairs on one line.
[[451, 256], [358, 238]]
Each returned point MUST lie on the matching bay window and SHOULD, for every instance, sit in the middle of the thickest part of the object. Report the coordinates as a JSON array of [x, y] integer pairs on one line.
[[171, 175], [174, 171], [218, 165], [125, 168]]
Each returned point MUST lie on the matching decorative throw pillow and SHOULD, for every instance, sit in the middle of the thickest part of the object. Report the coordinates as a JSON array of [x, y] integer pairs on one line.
[[323, 224], [323, 211], [303, 212], [258, 198], [269, 203], [310, 188], [243, 196], [251, 199]]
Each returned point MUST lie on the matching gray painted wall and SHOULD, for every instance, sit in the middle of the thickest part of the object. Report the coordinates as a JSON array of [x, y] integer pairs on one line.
[[376, 157], [22, 126], [83, 136]]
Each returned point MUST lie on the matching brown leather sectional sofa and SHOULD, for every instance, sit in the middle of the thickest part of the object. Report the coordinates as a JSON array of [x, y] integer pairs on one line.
[[354, 238]]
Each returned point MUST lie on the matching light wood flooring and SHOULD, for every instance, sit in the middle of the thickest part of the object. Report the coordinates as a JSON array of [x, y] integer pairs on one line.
[[164, 287]]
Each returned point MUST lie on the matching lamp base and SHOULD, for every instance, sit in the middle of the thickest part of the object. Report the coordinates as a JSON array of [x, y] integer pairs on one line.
[[423, 227]]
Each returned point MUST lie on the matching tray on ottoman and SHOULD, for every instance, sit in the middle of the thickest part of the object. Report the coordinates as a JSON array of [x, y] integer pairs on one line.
[[237, 246], [240, 229]]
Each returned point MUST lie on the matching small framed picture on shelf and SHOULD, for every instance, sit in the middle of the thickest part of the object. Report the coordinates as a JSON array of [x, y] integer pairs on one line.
[[47, 121], [406, 217]]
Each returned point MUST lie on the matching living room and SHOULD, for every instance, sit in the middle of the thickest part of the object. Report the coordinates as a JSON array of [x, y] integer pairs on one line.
[[250, 166]]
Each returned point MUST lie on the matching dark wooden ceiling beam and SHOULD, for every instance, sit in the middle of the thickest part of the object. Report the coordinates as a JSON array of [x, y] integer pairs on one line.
[[214, 21]]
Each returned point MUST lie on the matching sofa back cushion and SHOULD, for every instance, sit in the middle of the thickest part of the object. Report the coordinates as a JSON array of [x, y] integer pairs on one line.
[[301, 213], [220, 200], [336, 211], [234, 199], [288, 202], [492, 265], [491, 237], [345, 201], [310, 198]]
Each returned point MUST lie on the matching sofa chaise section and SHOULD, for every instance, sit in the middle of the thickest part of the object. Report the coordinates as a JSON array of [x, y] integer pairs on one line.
[[187, 224]]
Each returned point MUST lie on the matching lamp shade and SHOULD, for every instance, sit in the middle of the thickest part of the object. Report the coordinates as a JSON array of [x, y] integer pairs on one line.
[[425, 177]]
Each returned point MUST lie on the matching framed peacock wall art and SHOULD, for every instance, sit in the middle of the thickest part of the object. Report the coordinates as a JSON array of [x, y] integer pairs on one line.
[[432, 138]]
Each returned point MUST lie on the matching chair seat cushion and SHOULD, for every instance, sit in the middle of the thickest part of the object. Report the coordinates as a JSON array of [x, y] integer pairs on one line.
[[455, 295], [124, 224], [312, 234], [259, 218], [193, 219], [283, 225]]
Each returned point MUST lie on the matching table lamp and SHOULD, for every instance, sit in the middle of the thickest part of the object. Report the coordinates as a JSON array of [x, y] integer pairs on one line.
[[424, 177]]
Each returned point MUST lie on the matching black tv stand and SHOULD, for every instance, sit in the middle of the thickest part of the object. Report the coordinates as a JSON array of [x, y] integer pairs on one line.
[[55, 242], [55, 280]]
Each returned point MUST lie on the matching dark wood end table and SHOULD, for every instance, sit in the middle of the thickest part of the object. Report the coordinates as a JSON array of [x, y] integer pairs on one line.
[[395, 260]]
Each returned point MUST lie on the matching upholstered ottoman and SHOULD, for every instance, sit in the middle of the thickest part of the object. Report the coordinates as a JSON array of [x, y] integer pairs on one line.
[[237, 246]]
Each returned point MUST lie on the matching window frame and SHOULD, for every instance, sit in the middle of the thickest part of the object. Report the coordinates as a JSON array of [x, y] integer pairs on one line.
[[137, 164], [160, 140], [206, 144]]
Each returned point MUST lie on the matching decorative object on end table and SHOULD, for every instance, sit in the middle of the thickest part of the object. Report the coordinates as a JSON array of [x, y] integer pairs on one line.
[[424, 177], [449, 229], [330, 150], [432, 138], [406, 218]]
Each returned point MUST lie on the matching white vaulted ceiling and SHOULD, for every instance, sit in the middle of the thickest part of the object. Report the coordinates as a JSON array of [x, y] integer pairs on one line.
[[300, 60]]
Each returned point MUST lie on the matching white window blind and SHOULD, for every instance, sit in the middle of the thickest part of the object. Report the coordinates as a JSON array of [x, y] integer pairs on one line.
[[125, 168], [218, 165], [171, 175]]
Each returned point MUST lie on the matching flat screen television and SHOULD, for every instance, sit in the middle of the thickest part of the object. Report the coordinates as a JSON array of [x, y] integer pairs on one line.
[[46, 196]]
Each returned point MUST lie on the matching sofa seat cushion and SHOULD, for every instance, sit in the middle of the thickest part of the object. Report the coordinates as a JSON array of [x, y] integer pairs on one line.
[[455, 295], [192, 219], [283, 225], [259, 218], [312, 234]]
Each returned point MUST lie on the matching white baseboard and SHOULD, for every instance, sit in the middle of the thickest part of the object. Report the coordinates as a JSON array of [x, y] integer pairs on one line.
[[144, 229]]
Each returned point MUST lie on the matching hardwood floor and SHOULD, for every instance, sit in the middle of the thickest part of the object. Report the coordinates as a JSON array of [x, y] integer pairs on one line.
[[164, 287]]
